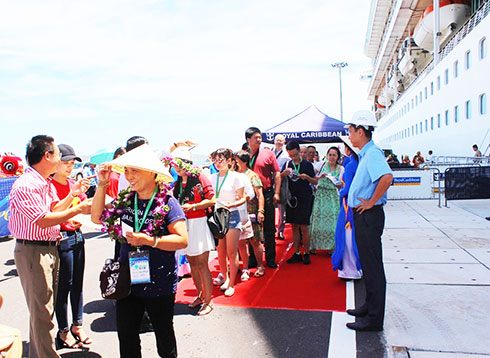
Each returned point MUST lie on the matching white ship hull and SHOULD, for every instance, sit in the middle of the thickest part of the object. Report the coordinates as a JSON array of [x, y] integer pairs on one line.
[[417, 119]]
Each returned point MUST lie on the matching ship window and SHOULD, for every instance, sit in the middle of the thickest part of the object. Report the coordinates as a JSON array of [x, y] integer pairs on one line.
[[468, 109], [426, 125], [425, 92], [431, 123], [467, 58], [420, 127], [412, 103], [482, 50], [446, 115], [439, 120], [417, 128], [456, 69], [456, 114], [483, 103], [416, 101], [412, 131], [420, 96], [446, 76], [438, 83]]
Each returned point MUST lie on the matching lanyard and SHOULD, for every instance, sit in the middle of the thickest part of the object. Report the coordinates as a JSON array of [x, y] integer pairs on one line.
[[252, 161], [218, 187], [296, 168], [138, 224]]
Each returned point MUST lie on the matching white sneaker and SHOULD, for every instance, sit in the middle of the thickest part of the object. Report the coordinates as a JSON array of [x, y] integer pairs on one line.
[[230, 291], [245, 275], [218, 281]]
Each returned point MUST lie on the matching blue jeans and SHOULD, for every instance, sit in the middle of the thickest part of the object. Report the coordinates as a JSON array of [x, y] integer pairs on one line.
[[72, 265]]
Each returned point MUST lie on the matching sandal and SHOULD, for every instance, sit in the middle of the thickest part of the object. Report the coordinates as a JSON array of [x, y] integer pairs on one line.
[[218, 281], [60, 343], [205, 309], [81, 334], [260, 272], [197, 301]]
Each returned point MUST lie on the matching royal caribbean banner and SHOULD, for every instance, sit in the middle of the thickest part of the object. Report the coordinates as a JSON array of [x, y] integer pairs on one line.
[[5, 186]]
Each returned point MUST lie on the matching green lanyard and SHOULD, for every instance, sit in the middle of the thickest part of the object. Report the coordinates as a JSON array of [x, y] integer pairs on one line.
[[296, 168], [252, 161], [218, 187], [138, 224]]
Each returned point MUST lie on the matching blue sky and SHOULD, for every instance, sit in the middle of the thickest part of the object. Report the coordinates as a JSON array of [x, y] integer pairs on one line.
[[94, 73]]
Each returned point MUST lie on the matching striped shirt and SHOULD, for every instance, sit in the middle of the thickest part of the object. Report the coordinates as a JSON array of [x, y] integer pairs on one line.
[[31, 198]]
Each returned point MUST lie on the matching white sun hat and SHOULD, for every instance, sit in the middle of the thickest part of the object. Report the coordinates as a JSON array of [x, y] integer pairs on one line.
[[346, 140], [144, 158], [363, 118], [183, 153]]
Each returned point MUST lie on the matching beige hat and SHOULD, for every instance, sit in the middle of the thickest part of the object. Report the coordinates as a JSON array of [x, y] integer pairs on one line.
[[142, 158], [346, 140]]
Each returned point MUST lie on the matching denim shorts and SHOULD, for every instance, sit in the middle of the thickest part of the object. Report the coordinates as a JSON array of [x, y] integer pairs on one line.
[[235, 221]]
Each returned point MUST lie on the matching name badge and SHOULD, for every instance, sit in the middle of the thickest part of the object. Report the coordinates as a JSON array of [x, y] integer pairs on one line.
[[139, 266]]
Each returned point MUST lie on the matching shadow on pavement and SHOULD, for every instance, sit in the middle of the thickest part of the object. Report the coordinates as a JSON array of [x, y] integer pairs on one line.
[[107, 323]]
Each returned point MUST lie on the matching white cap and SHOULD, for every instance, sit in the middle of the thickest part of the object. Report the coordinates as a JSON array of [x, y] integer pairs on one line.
[[182, 153], [363, 118]]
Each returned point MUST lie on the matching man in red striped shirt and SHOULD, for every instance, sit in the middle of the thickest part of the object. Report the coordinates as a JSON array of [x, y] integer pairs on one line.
[[35, 215]]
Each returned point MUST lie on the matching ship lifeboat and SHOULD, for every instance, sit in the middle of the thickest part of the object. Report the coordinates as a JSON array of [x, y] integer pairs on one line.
[[386, 97], [411, 57], [452, 13]]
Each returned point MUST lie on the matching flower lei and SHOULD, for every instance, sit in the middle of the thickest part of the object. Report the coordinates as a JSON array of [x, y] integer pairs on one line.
[[111, 215], [189, 169]]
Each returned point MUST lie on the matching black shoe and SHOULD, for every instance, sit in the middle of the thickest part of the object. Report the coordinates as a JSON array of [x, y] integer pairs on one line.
[[488, 218], [295, 259], [364, 326], [358, 312], [272, 265], [280, 236], [306, 259]]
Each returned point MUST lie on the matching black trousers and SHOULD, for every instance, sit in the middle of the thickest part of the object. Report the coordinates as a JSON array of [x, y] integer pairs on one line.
[[130, 312], [368, 229], [269, 226]]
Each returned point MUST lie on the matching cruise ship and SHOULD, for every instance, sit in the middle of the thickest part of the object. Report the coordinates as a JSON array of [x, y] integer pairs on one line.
[[430, 91]]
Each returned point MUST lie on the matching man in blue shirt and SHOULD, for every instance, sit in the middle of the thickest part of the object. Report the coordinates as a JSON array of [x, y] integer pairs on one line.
[[367, 195]]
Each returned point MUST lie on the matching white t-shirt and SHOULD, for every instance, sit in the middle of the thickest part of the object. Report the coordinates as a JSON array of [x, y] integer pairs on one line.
[[249, 190], [227, 188]]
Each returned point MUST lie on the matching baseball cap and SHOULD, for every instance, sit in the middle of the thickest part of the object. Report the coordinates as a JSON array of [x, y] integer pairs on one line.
[[68, 153]]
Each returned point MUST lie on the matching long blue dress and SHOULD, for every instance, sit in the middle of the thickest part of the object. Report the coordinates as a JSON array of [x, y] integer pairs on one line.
[[346, 257]]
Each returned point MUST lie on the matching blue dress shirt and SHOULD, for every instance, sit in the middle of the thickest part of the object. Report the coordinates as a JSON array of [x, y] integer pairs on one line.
[[372, 166]]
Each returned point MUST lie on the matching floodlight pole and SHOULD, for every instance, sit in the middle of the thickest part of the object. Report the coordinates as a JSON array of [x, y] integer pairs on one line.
[[340, 65]]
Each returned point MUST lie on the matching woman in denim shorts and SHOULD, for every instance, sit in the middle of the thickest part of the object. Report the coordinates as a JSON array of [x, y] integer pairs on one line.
[[72, 260], [229, 189]]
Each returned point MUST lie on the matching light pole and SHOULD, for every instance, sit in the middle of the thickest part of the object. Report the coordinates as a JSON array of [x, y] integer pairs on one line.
[[340, 65]]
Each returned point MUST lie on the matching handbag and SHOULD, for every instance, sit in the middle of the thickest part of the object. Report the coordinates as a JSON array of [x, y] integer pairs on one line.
[[218, 221], [115, 281]]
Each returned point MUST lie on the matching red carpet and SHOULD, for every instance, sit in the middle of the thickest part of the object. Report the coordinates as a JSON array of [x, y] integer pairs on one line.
[[314, 287]]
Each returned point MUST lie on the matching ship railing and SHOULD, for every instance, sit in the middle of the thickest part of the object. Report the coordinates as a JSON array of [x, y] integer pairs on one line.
[[467, 27], [458, 160]]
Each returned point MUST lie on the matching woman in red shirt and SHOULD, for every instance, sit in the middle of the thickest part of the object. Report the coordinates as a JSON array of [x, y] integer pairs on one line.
[[195, 193], [71, 250]]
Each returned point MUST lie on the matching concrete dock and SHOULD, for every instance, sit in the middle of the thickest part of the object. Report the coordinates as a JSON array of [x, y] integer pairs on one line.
[[437, 263]]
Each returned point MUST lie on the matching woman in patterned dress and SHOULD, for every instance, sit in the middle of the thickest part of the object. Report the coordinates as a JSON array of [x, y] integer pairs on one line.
[[326, 204]]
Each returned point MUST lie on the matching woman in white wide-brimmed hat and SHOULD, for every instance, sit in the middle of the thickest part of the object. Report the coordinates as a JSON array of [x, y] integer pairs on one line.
[[153, 227], [345, 258], [195, 194]]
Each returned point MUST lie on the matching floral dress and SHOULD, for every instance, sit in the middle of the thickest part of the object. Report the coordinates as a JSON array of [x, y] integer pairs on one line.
[[325, 210]]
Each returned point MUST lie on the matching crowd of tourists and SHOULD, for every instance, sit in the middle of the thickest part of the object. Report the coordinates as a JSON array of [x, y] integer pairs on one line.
[[159, 208]]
